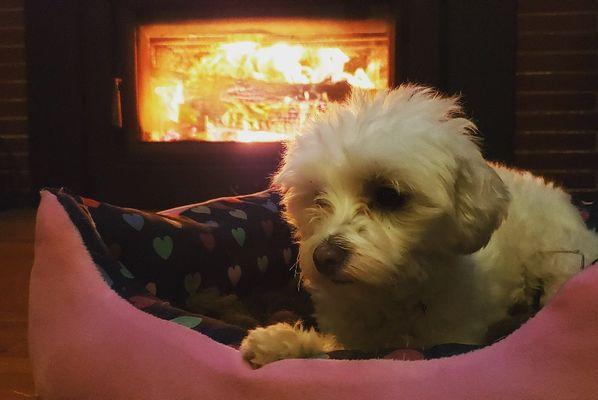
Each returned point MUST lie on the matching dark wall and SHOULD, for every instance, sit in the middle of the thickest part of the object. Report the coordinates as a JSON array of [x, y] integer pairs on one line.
[[557, 92], [56, 80], [480, 47], [467, 48], [14, 157]]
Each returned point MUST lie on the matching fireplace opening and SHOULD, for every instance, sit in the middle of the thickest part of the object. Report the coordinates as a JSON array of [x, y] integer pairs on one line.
[[253, 80]]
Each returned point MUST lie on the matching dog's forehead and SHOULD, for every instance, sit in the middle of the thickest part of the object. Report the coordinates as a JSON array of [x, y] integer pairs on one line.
[[405, 135], [363, 135], [330, 157]]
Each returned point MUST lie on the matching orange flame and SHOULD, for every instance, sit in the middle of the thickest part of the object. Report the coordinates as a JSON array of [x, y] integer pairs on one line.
[[172, 97], [251, 90], [282, 62]]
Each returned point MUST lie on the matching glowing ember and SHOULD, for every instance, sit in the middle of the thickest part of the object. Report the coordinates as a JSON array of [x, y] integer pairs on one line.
[[257, 88]]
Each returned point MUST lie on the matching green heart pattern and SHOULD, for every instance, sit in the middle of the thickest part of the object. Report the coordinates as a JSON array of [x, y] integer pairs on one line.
[[163, 246], [225, 246], [239, 235], [223, 225]]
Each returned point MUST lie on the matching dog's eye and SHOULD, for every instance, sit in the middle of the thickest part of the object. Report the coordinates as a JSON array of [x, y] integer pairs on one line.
[[387, 198], [321, 202]]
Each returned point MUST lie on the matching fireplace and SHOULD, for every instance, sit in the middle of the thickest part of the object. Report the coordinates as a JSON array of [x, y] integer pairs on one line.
[[253, 80], [154, 103]]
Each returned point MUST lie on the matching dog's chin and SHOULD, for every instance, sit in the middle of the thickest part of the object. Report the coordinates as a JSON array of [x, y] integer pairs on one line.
[[383, 281], [338, 279], [341, 280]]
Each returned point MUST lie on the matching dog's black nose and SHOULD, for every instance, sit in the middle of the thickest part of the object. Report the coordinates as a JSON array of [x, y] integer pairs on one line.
[[330, 256]]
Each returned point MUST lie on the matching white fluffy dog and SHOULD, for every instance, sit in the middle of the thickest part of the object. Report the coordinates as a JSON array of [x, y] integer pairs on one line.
[[408, 237]]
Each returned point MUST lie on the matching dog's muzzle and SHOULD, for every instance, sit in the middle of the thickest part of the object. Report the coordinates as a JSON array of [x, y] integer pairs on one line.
[[330, 255]]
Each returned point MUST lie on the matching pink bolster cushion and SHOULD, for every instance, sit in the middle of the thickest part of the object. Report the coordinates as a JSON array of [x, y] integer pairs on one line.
[[86, 342]]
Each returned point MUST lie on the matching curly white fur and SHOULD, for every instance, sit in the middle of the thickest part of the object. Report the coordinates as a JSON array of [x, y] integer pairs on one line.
[[470, 241]]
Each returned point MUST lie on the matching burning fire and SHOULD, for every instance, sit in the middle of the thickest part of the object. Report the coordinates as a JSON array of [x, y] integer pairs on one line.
[[250, 90], [284, 63], [172, 98]]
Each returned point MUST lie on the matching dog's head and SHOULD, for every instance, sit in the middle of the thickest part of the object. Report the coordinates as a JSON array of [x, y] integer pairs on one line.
[[385, 180]]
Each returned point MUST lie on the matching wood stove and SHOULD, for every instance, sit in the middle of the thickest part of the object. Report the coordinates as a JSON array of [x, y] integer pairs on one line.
[[155, 103]]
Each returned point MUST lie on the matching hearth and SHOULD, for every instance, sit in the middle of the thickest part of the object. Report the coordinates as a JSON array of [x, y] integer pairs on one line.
[[155, 103]]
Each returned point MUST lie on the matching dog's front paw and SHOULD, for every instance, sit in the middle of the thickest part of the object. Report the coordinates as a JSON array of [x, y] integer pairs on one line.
[[280, 341]]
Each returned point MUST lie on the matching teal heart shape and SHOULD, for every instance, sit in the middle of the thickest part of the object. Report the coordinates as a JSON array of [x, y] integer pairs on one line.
[[239, 235], [124, 271], [187, 320], [201, 210], [238, 214], [134, 220], [163, 246]]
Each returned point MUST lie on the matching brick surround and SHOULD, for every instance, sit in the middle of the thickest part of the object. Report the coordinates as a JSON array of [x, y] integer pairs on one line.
[[14, 163], [557, 92]]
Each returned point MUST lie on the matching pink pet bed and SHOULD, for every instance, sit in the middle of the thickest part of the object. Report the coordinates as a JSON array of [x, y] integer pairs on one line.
[[89, 341]]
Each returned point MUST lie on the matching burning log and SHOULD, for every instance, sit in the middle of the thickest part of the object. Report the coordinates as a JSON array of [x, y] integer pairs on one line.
[[259, 91], [258, 105]]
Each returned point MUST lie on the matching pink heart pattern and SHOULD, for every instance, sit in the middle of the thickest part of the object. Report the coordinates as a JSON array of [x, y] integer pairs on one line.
[[227, 244], [268, 227], [208, 241], [234, 274], [239, 247]]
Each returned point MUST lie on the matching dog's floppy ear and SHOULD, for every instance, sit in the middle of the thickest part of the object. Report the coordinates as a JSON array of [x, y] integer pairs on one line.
[[481, 202]]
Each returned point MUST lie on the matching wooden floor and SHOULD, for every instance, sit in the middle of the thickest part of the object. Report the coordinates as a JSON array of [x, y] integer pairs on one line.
[[16, 258]]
